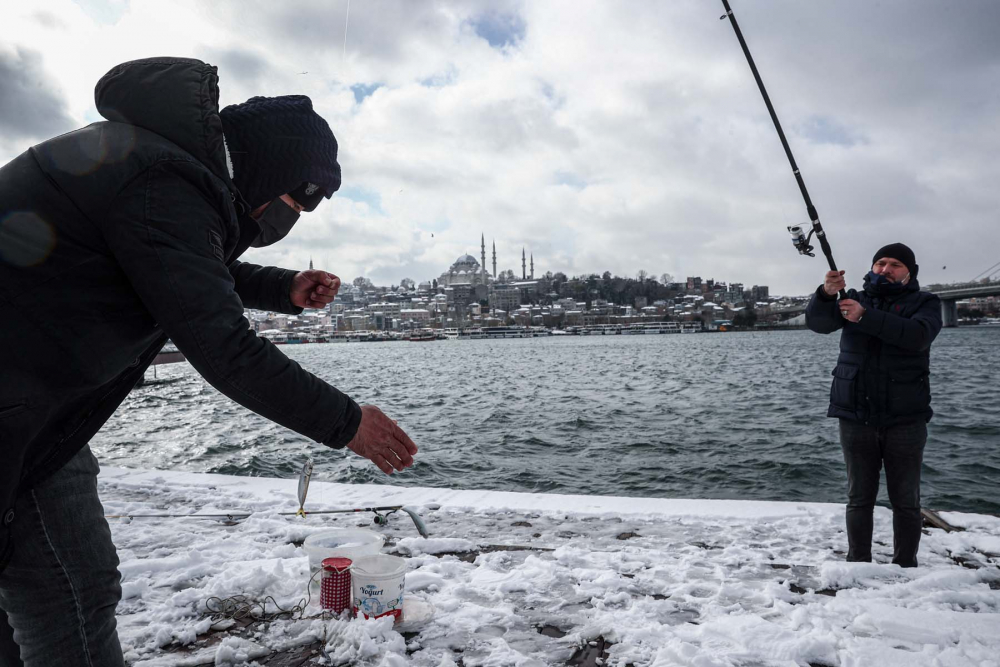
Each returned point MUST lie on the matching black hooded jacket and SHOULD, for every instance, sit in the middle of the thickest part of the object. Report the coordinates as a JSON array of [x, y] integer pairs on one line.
[[882, 373], [112, 239]]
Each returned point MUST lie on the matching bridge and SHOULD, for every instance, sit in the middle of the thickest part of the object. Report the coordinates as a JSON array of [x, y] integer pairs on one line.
[[950, 295]]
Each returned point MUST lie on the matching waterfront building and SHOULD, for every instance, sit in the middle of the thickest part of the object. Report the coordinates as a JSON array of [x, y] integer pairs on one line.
[[527, 290], [387, 308], [419, 316], [504, 297]]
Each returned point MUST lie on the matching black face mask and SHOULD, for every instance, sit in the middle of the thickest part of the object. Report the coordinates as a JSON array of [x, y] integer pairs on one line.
[[275, 223], [878, 285]]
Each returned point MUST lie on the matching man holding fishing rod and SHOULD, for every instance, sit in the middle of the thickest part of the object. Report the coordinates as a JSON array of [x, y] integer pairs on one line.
[[880, 388], [880, 392], [112, 239]]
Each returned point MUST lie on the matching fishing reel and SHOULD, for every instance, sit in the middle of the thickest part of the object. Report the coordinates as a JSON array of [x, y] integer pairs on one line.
[[382, 519], [801, 241]]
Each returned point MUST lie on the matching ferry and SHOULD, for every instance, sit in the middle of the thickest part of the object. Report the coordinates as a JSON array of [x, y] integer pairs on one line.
[[422, 335], [501, 332], [643, 328], [275, 336], [168, 354], [472, 332]]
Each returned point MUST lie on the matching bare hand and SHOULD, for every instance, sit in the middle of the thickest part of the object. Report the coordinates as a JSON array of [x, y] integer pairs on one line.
[[850, 309], [381, 441], [834, 282], [313, 288]]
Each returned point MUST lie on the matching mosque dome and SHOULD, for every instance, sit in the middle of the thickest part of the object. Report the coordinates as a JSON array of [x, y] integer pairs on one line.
[[465, 264], [465, 271]]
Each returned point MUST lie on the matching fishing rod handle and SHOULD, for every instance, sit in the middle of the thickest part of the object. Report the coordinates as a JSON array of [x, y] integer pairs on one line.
[[824, 244]]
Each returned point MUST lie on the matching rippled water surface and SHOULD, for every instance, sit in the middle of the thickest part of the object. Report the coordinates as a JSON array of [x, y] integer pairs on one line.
[[737, 415]]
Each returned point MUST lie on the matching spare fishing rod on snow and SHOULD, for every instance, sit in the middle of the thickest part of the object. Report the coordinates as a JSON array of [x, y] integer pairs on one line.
[[799, 238], [381, 513]]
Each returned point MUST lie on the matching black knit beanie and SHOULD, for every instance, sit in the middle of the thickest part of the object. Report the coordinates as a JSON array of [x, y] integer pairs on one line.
[[278, 145], [900, 252]]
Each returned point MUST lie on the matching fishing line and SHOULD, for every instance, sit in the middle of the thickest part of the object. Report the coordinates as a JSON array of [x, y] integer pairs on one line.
[[347, 18]]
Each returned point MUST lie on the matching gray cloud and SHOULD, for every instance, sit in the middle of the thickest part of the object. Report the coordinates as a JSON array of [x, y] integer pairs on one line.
[[31, 106], [49, 20], [238, 66]]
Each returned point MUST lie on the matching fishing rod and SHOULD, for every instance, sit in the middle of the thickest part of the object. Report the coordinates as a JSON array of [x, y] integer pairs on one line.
[[799, 238], [382, 514]]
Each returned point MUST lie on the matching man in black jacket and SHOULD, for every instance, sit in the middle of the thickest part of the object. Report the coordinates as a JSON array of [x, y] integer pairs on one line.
[[880, 392], [112, 239]]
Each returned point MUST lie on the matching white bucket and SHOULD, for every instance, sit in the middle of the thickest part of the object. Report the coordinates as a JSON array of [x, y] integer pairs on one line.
[[377, 586], [339, 543]]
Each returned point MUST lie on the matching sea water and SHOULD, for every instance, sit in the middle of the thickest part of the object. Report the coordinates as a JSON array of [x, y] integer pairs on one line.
[[715, 415]]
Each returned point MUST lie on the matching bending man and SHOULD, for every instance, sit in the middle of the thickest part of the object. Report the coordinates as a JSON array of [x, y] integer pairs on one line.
[[112, 239]]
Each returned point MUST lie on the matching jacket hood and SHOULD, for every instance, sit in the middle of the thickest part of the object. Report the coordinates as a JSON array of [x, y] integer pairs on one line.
[[177, 98]]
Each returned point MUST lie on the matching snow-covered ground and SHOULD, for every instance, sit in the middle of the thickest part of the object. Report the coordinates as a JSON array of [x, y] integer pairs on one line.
[[597, 580]]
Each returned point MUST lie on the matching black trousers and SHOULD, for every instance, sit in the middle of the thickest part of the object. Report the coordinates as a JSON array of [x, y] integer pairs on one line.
[[901, 448]]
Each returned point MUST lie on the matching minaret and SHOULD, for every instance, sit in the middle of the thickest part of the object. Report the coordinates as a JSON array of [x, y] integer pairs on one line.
[[483, 269], [494, 260], [532, 266], [310, 263], [524, 270]]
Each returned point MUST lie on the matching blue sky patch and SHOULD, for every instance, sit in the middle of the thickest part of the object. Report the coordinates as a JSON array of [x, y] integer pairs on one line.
[[105, 12], [824, 130], [499, 30], [363, 90], [570, 179], [441, 79], [362, 195]]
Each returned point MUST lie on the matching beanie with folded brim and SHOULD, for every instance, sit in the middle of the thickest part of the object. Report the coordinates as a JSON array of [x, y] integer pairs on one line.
[[900, 252], [279, 145]]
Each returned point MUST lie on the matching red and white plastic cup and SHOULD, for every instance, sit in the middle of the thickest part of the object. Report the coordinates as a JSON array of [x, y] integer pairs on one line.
[[335, 584]]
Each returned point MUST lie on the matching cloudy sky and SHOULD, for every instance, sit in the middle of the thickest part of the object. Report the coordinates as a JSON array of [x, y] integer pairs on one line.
[[597, 135]]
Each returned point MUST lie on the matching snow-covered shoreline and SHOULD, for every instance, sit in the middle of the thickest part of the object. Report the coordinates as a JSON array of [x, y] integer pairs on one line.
[[533, 579]]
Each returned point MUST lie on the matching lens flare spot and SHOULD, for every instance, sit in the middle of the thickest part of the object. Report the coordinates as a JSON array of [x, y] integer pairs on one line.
[[82, 153], [25, 239]]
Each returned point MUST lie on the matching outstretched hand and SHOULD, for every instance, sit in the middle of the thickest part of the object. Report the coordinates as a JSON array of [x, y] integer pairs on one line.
[[381, 441], [313, 289]]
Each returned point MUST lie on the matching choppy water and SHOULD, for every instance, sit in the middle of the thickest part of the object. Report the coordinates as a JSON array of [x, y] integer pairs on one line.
[[738, 415]]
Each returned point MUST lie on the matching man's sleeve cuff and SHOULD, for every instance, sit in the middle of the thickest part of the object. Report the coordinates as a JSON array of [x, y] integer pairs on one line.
[[871, 321], [351, 424], [285, 293], [823, 296]]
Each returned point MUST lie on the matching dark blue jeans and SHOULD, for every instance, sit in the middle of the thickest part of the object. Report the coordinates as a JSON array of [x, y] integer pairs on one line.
[[866, 448], [59, 592]]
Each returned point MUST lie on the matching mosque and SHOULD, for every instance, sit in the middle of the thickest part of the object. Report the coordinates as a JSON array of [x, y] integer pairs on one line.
[[466, 271]]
